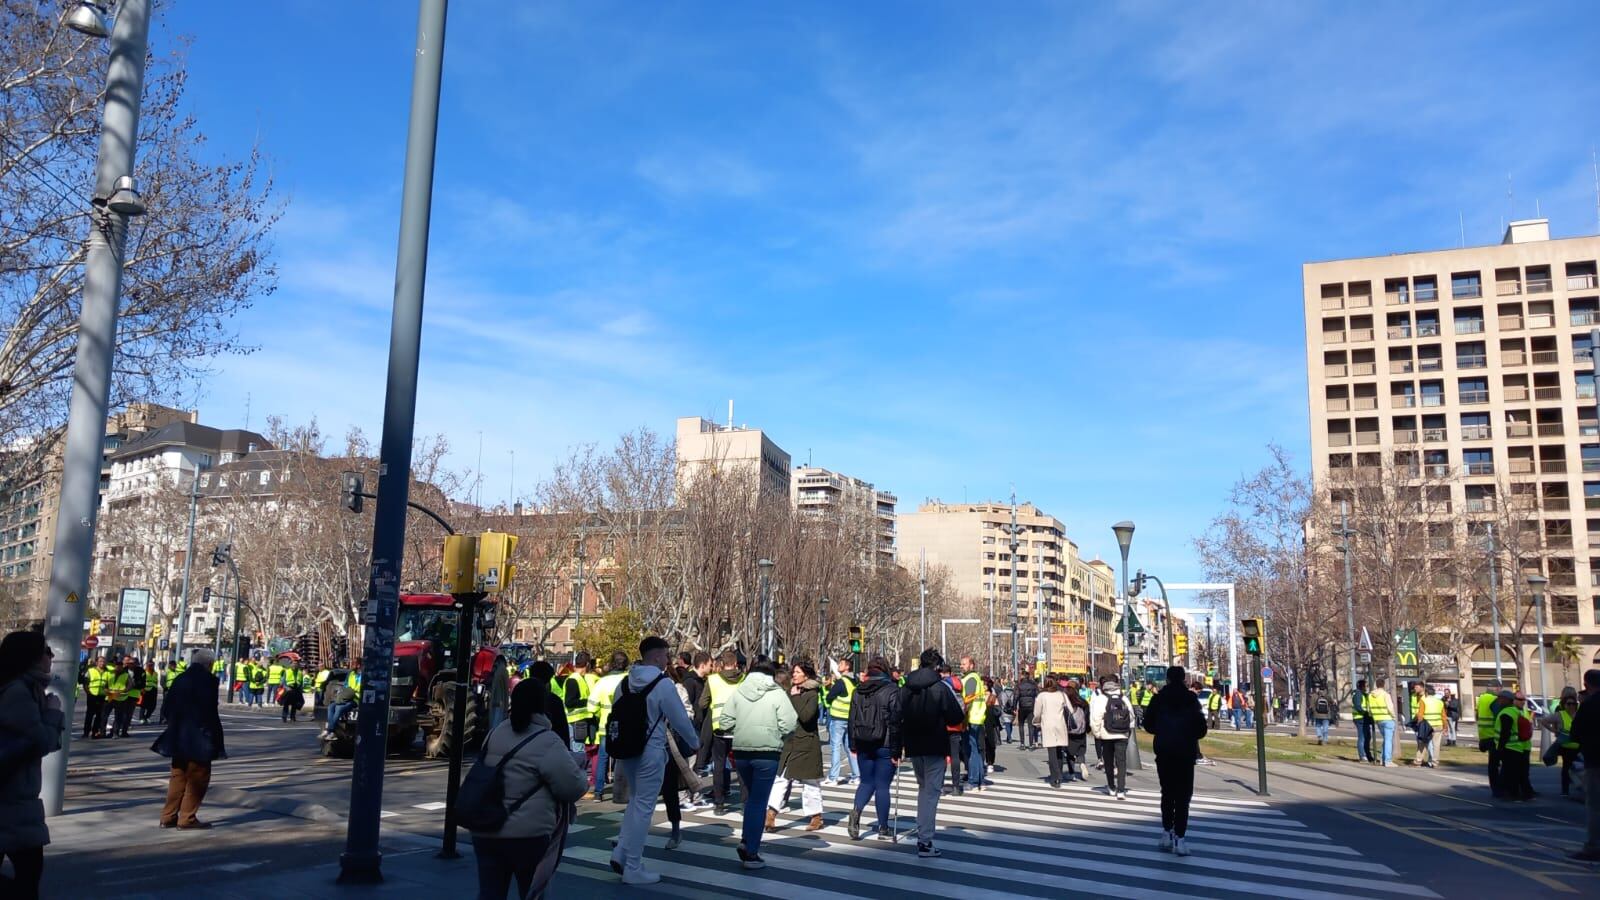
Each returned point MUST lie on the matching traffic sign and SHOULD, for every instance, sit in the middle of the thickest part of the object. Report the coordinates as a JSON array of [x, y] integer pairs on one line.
[[91, 642], [1266, 671]]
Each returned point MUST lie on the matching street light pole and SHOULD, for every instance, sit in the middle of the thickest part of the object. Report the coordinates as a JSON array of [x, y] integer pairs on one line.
[[188, 568], [361, 861], [114, 201], [1124, 532], [822, 634], [581, 552], [922, 592], [765, 642], [1041, 658], [1537, 583], [1349, 588], [1494, 598], [1015, 611]]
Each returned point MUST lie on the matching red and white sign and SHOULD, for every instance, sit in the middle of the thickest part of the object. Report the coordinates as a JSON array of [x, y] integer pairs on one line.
[[91, 642]]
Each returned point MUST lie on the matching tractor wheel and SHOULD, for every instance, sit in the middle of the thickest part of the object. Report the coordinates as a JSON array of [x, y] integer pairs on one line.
[[438, 744]]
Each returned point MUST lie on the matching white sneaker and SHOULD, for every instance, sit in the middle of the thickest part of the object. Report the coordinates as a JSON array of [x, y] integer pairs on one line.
[[1179, 847], [1166, 842], [1122, 795], [641, 876]]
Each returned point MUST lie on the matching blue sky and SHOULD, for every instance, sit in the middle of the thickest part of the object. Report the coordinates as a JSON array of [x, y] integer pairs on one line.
[[945, 248]]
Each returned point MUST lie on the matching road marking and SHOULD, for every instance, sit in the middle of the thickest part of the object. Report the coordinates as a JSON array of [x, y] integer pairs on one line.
[[385, 814], [435, 805]]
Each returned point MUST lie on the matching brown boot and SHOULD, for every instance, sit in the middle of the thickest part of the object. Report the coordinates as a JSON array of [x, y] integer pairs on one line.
[[815, 824], [772, 819]]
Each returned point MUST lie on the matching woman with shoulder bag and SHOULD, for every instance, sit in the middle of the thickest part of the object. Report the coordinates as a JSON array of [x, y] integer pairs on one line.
[[31, 725], [541, 782]]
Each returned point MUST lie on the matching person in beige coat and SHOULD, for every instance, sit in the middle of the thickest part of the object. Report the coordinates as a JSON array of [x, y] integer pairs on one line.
[[1049, 716]]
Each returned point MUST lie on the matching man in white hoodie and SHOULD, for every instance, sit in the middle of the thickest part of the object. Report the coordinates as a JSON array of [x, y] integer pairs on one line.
[[644, 773], [1111, 720]]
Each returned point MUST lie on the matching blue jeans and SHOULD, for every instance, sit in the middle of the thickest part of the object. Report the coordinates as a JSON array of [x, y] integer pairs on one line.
[[1387, 730], [335, 710], [836, 741], [1322, 729], [973, 743], [757, 775], [1238, 718], [600, 769], [876, 773]]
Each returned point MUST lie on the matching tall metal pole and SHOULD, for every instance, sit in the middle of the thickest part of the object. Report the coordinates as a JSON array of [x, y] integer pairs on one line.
[[1538, 618], [991, 634], [91, 378], [1124, 532], [577, 596], [361, 860], [922, 592], [822, 635], [1015, 611], [1349, 588], [188, 568], [1494, 599], [1038, 618]]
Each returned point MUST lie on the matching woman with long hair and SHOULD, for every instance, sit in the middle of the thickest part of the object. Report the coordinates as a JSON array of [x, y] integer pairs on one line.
[[1049, 717], [801, 762], [875, 739], [542, 780], [1077, 735], [31, 725]]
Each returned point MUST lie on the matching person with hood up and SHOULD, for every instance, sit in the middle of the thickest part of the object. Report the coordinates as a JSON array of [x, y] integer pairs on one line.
[[31, 728], [875, 738], [757, 717], [929, 707], [1111, 719], [1174, 717], [801, 762], [643, 773]]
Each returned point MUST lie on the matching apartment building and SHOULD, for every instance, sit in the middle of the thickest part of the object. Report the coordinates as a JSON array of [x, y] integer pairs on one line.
[[704, 446], [1473, 366], [819, 492], [973, 542], [30, 494]]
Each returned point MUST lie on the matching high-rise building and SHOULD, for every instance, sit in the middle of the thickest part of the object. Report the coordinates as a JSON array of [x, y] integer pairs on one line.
[[816, 491], [706, 447], [1468, 375]]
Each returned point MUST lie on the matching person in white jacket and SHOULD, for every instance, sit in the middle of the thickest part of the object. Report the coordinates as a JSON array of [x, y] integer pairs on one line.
[[663, 710], [1111, 722]]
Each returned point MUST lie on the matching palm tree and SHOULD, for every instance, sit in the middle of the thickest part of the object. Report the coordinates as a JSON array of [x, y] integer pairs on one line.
[[1568, 652]]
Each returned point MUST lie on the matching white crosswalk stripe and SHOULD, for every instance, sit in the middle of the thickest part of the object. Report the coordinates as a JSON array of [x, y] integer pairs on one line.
[[1017, 839]]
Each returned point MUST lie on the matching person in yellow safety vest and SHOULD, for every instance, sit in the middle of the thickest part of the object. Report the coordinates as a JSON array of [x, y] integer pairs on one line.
[[1214, 706], [975, 697], [1514, 737], [1429, 709], [576, 696], [94, 717], [274, 681], [241, 678], [1560, 721], [118, 686], [1484, 712], [258, 684], [719, 687], [839, 695], [1380, 705], [173, 671], [601, 698]]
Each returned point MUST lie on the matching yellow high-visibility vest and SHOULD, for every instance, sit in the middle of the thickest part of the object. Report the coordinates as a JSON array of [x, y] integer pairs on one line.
[[1433, 712], [1378, 706], [1515, 744], [839, 709], [604, 695], [1566, 728], [977, 696], [97, 681], [1486, 716], [721, 689]]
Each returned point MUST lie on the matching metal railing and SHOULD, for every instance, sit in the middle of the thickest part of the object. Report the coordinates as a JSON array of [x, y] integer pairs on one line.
[[1507, 288], [1339, 439], [1361, 334], [1510, 323], [1396, 298], [1399, 331], [1333, 337], [1553, 466], [1546, 357], [1364, 368], [1430, 364], [1471, 397], [1476, 432], [1405, 436], [1435, 435], [1585, 317], [1472, 361], [1366, 438], [1367, 402], [1541, 320], [1480, 468], [1403, 401], [1513, 358], [1539, 285], [1425, 294], [1551, 429], [1547, 393], [1401, 367], [1466, 291], [1427, 329], [1469, 326], [1335, 370], [1582, 282], [1332, 303], [1432, 399], [1518, 429]]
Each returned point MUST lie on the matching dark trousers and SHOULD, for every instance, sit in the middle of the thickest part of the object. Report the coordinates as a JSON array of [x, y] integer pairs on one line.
[[1365, 729], [1177, 789], [669, 790], [94, 715], [720, 748], [124, 715], [1568, 755], [28, 863], [991, 737], [1028, 733], [1514, 774], [1116, 760], [877, 772], [499, 859], [958, 746], [1077, 755], [1496, 777], [1053, 756]]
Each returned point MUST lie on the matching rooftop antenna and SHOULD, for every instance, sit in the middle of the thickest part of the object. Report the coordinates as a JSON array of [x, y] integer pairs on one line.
[[477, 499], [1595, 161], [1536, 212], [730, 413], [1461, 220], [247, 411]]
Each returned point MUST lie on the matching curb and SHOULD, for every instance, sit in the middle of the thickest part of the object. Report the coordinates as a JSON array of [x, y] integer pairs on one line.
[[314, 812]]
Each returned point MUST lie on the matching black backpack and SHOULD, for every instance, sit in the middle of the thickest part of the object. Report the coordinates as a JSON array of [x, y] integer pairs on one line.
[[481, 803], [1322, 707], [867, 723], [1118, 717], [629, 727]]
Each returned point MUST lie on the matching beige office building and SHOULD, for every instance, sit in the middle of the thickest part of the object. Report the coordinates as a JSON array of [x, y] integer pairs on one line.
[[819, 492], [1474, 365], [972, 542], [704, 446]]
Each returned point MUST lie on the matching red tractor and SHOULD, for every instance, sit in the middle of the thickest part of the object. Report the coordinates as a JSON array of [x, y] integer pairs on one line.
[[425, 668]]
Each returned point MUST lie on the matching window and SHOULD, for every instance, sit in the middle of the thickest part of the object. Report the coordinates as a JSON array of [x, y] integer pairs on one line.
[[1426, 287], [1466, 284], [1479, 462], [1474, 390]]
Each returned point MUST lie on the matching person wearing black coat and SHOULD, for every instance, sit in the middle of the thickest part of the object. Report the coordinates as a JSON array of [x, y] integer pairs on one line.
[[1175, 719], [1586, 731], [1027, 694], [875, 739], [192, 740], [928, 708]]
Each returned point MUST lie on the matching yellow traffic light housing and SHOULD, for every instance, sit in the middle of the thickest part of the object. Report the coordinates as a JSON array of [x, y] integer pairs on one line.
[[494, 567], [459, 567], [1180, 643], [1254, 635], [858, 638]]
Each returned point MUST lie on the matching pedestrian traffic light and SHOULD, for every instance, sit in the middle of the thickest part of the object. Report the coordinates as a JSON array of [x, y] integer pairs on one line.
[[1254, 634], [352, 491], [1180, 643], [205, 595], [858, 638]]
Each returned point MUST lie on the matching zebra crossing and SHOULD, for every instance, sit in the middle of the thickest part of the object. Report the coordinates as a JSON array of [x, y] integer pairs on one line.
[[1017, 839]]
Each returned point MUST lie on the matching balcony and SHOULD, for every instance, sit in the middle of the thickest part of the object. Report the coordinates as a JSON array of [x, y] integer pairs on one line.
[[1546, 357], [1547, 393], [1335, 370], [1521, 467], [1333, 337], [1430, 364], [1332, 303], [1513, 358], [1396, 298], [1585, 317], [1551, 429], [1359, 301], [1341, 439], [1585, 391], [1592, 503], [1518, 430], [1401, 367], [1469, 398], [1541, 320], [1469, 326], [1435, 435], [1360, 334], [1338, 404], [1553, 466], [1403, 401], [1466, 291], [1363, 368], [1480, 468], [1436, 470], [1476, 361], [1591, 465], [1558, 541], [1367, 402], [1480, 504], [1507, 288], [1427, 329], [1396, 332], [1425, 293], [1582, 282], [1516, 393], [1366, 438], [1539, 285], [1556, 504], [1405, 436], [1476, 432], [1432, 399], [1510, 323]]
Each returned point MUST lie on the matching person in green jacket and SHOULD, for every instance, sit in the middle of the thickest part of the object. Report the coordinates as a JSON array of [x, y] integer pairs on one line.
[[757, 717]]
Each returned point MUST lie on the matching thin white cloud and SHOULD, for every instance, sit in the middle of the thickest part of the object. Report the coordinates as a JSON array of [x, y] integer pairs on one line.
[[702, 172]]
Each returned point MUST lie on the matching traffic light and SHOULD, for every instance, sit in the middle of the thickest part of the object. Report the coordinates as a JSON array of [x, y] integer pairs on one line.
[[222, 554], [494, 567], [155, 630], [1180, 643], [459, 565], [1254, 636], [858, 638], [352, 491], [1137, 587], [205, 595]]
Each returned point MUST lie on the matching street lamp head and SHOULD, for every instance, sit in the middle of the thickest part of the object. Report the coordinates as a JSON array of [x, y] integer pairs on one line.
[[125, 197], [764, 564], [1124, 533], [88, 18], [1537, 582]]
